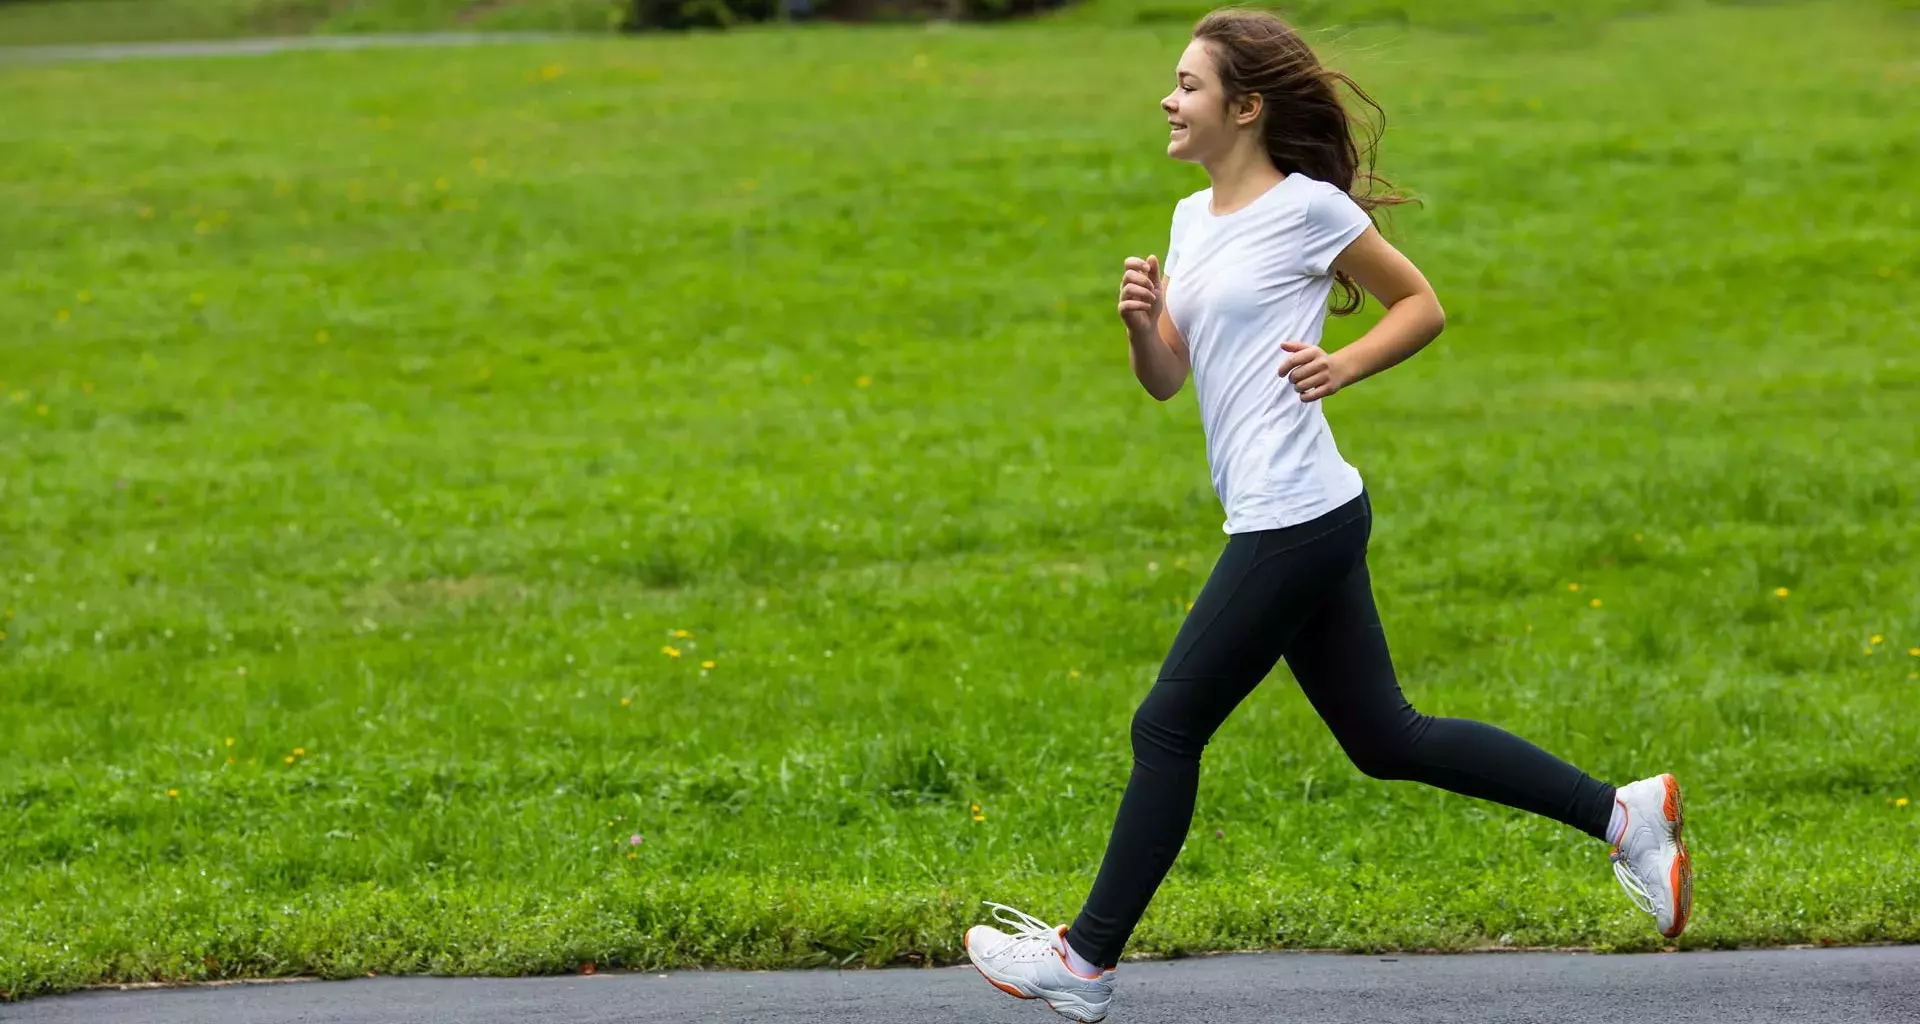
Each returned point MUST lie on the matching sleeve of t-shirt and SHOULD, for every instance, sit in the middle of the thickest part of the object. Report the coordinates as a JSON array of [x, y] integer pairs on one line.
[[1179, 228], [1333, 221]]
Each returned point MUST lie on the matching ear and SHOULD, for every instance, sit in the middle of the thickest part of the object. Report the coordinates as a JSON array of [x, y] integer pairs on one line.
[[1246, 109]]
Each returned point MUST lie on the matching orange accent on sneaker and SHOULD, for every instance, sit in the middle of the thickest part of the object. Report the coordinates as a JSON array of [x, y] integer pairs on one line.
[[966, 942], [1008, 989], [1672, 805], [1680, 878]]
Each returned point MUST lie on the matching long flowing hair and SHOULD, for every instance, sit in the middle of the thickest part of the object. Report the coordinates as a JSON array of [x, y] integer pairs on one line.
[[1305, 126]]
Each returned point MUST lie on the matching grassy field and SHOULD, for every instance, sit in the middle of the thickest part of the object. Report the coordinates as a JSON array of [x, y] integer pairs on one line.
[[683, 501], [44, 22]]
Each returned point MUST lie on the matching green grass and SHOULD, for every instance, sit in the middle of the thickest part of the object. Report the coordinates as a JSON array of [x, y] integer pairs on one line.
[[398, 407], [25, 22], [49, 22]]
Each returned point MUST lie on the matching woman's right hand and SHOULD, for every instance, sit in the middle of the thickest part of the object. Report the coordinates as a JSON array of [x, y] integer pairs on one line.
[[1141, 295]]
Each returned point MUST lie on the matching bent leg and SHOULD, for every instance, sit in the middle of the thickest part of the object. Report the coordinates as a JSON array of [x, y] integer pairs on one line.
[[1264, 588], [1342, 663]]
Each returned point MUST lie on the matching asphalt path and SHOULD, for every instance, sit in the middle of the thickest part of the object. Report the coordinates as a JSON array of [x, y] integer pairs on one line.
[[1871, 985]]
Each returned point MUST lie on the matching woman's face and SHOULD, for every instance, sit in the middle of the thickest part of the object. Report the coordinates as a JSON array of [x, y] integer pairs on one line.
[[1200, 125]]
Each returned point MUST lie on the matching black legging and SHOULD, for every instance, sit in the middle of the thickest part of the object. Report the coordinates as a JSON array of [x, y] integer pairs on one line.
[[1301, 593]]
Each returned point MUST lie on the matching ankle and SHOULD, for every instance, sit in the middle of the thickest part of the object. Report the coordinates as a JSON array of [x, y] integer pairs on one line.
[[1617, 824], [1078, 964]]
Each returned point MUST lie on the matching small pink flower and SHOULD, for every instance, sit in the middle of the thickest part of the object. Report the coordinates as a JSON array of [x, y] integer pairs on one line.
[[1218, 834], [635, 840]]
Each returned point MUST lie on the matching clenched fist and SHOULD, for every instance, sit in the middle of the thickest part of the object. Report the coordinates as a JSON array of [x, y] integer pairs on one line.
[[1313, 372], [1141, 294]]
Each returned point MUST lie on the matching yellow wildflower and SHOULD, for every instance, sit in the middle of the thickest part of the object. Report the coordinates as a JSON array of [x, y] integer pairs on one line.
[[1781, 592], [671, 652]]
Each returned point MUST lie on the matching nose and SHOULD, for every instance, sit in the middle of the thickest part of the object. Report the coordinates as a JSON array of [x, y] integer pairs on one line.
[[1167, 104]]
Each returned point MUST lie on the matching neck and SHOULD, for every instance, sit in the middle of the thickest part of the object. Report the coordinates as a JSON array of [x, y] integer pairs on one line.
[[1241, 175]]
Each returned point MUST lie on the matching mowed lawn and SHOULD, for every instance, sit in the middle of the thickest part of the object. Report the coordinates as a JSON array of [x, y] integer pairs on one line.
[[675, 501]]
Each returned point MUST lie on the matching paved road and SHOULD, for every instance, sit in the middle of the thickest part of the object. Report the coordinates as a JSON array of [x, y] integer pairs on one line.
[[1857, 986], [255, 47]]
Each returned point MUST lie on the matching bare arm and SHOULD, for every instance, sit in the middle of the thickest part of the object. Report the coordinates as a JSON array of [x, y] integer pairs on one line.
[[1155, 349], [1159, 357], [1413, 319], [1414, 316]]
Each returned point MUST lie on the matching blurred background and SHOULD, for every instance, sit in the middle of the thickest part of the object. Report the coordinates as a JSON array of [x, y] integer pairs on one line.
[[507, 486]]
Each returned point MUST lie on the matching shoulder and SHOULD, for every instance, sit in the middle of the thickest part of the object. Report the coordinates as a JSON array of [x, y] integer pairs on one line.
[[1312, 185], [1323, 196], [1328, 208], [1189, 207], [1191, 204], [1314, 193]]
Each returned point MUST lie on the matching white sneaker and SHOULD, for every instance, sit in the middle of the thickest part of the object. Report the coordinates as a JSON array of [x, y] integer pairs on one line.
[[1650, 860], [1029, 964]]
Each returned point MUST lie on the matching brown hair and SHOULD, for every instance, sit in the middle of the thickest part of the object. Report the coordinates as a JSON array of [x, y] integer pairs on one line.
[[1306, 127]]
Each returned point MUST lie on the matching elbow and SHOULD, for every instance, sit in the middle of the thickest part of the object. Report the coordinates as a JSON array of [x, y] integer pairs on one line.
[[1439, 315], [1162, 392]]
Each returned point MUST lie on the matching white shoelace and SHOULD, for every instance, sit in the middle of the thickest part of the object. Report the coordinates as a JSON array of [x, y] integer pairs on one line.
[[1023, 925], [1630, 880]]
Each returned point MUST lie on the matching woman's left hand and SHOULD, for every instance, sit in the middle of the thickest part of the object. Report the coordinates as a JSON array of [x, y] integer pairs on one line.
[[1313, 372]]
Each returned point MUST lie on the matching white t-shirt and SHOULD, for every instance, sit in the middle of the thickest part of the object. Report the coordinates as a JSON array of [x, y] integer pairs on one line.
[[1237, 286]]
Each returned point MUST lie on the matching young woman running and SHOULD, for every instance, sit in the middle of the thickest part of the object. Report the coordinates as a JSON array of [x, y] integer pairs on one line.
[[1250, 267]]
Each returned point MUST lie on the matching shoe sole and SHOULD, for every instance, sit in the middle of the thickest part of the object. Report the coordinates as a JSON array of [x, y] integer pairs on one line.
[[1680, 877], [1016, 993]]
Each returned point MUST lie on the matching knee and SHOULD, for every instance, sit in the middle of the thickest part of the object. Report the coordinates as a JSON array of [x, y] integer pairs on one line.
[[1379, 761], [1384, 750], [1157, 736]]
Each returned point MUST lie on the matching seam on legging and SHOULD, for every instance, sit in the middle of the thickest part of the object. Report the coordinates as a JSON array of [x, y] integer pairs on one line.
[[1248, 573], [1218, 609], [1322, 535]]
